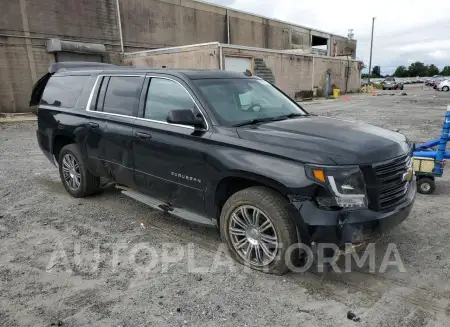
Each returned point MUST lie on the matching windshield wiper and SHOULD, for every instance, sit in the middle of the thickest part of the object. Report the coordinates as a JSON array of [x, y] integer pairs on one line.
[[284, 117], [295, 115], [263, 120], [256, 121]]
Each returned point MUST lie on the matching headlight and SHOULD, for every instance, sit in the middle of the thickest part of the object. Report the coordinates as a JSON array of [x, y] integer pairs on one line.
[[346, 184]]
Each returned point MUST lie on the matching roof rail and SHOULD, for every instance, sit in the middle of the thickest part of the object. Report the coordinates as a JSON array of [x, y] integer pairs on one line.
[[77, 64]]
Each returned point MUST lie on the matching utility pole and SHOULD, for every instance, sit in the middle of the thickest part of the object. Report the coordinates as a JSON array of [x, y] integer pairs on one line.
[[371, 45]]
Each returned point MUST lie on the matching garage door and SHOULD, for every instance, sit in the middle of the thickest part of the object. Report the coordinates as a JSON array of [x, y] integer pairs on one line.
[[236, 64], [75, 56]]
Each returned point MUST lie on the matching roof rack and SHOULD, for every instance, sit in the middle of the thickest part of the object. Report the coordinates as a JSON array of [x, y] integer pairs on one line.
[[77, 64]]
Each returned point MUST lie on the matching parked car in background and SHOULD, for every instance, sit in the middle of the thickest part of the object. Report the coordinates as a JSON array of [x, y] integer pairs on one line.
[[390, 83], [444, 85], [435, 81], [430, 80]]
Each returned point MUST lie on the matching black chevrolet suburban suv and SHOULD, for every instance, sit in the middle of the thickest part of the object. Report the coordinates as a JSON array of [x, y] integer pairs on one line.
[[227, 150]]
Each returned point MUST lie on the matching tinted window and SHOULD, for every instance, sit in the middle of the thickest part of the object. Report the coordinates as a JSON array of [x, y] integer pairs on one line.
[[163, 96], [122, 95], [63, 91]]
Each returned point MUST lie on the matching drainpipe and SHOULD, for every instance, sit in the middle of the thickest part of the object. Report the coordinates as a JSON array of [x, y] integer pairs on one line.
[[119, 22], [220, 55], [312, 77], [348, 74], [228, 28]]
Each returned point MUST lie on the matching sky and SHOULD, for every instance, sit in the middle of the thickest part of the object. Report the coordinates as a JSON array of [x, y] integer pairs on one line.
[[405, 31]]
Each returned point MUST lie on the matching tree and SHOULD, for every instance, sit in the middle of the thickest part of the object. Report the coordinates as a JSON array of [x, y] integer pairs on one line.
[[376, 71], [433, 70], [401, 71], [417, 69], [445, 71]]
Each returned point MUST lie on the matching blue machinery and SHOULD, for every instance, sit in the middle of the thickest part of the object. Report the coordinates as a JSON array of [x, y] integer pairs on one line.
[[433, 152]]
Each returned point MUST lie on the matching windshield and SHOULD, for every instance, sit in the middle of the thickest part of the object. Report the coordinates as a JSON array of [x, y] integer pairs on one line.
[[236, 100], [390, 79]]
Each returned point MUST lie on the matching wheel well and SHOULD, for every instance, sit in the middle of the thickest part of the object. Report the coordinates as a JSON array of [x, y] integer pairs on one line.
[[59, 142], [230, 185]]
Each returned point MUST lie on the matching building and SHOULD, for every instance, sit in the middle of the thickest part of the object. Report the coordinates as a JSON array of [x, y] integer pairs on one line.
[[35, 34], [300, 75]]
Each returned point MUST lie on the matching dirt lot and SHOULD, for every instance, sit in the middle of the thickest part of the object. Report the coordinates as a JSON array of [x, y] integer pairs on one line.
[[77, 287]]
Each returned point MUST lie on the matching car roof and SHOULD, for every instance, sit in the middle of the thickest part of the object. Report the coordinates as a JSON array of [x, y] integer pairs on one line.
[[66, 68]]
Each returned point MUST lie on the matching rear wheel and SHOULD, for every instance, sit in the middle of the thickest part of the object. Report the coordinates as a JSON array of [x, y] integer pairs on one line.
[[426, 185], [258, 230], [77, 180], [446, 89]]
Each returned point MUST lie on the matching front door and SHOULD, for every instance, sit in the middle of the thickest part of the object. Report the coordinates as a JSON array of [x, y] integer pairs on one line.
[[169, 159]]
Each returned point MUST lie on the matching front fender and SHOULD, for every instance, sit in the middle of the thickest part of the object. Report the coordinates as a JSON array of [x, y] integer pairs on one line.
[[286, 176]]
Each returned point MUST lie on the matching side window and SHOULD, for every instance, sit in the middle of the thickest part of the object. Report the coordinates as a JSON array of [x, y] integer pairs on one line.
[[122, 95], [63, 91], [163, 96]]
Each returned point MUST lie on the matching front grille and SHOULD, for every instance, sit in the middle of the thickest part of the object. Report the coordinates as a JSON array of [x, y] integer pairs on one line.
[[385, 184]]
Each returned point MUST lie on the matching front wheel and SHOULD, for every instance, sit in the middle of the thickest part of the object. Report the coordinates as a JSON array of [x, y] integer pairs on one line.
[[75, 176], [426, 185], [258, 230], [446, 89]]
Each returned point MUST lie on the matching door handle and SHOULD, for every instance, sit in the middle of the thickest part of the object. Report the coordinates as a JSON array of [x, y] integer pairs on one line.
[[93, 125], [143, 136]]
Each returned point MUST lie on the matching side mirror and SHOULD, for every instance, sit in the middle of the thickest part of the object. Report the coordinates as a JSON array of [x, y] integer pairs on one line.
[[184, 117]]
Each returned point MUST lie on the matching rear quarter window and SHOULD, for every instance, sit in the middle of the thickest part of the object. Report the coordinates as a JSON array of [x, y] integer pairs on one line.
[[63, 91]]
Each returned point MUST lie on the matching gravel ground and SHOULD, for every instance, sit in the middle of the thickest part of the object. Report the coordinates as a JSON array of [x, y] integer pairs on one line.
[[59, 262]]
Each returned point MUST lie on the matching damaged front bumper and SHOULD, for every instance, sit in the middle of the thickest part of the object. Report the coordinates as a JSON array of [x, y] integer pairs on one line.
[[354, 227]]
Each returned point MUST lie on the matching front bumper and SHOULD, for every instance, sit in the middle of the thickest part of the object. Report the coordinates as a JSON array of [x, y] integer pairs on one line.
[[348, 227]]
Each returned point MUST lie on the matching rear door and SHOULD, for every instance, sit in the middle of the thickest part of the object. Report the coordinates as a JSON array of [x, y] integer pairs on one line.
[[121, 94], [169, 159]]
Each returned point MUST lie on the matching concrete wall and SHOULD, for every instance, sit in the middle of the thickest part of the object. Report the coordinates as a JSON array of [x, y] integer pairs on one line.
[[25, 25], [203, 57], [165, 23]]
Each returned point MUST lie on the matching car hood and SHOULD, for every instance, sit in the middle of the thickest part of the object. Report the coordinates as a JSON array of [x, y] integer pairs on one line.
[[344, 142]]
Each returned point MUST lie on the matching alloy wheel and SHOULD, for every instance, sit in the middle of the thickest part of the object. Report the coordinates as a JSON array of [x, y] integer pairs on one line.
[[71, 172], [253, 235]]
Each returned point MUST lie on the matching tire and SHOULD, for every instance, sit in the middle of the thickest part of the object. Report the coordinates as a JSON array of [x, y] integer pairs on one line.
[[384, 88], [401, 88], [446, 89], [76, 178], [271, 207], [426, 185]]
